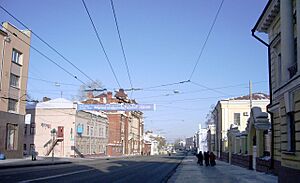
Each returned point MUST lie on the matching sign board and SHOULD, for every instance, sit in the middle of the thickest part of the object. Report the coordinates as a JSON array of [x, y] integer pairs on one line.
[[79, 128], [27, 119], [116, 107]]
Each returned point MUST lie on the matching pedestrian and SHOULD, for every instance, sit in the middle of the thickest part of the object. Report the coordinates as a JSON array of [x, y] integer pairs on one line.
[[206, 158], [33, 154], [200, 158], [197, 155], [212, 159]]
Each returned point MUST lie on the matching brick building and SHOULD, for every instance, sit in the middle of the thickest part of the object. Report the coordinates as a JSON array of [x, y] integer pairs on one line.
[[125, 127]]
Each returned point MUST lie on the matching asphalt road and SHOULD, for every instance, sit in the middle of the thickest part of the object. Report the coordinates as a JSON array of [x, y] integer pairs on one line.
[[133, 169]]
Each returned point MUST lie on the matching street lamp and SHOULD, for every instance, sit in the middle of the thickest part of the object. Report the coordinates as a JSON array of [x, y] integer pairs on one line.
[[53, 134]]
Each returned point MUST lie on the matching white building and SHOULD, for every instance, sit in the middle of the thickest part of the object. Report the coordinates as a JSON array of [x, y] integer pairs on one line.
[[151, 137], [78, 133], [201, 139]]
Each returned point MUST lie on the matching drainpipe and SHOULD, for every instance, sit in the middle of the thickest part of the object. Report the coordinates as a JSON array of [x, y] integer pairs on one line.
[[270, 90]]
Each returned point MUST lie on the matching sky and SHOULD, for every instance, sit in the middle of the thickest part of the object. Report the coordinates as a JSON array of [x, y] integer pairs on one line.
[[162, 41]]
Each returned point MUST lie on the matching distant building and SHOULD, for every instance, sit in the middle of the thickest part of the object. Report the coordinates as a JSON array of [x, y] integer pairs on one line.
[[280, 20], [78, 133], [211, 137], [150, 137], [14, 61], [201, 139], [189, 143], [235, 111]]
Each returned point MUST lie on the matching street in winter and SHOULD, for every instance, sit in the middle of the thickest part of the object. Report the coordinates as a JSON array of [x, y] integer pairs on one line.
[[150, 91]]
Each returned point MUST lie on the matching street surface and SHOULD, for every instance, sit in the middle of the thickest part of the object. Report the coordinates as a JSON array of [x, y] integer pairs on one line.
[[132, 169]]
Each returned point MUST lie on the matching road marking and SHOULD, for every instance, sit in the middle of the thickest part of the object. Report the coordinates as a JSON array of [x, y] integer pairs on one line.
[[55, 176]]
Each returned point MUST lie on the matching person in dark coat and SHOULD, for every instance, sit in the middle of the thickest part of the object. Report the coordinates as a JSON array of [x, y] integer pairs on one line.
[[212, 159], [200, 158], [206, 158], [197, 155]]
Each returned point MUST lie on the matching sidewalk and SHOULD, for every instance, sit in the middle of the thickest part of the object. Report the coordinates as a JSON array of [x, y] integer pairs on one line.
[[189, 171], [27, 162]]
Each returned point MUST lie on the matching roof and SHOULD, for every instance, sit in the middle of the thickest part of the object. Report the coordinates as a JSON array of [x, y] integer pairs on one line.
[[255, 96], [59, 103], [267, 17]]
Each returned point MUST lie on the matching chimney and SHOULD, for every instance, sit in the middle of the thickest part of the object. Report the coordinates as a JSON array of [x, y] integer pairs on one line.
[[109, 97], [45, 99]]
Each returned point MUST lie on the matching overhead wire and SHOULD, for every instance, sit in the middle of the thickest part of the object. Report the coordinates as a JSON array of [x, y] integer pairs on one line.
[[101, 44], [47, 44], [45, 56], [164, 85], [206, 39], [208, 88], [197, 91], [121, 42]]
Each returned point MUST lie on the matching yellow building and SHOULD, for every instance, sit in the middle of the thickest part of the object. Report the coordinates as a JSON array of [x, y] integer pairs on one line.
[[234, 111], [14, 61], [280, 20]]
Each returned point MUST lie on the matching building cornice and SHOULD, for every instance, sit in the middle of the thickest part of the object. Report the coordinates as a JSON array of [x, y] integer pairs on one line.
[[267, 17]]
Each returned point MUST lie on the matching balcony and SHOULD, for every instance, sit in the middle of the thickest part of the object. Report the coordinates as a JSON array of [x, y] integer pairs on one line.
[[293, 70]]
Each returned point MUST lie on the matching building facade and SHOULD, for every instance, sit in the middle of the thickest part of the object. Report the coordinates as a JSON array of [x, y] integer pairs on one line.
[[150, 138], [280, 20], [14, 58], [189, 143], [234, 111], [126, 128], [211, 137], [78, 133], [201, 142]]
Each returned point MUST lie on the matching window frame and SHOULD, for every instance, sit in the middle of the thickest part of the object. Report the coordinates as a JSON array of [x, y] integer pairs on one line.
[[234, 118], [291, 132], [15, 84], [15, 129], [16, 56], [15, 105]]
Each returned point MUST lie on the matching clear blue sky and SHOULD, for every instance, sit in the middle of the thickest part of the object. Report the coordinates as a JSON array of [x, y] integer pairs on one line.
[[162, 40]]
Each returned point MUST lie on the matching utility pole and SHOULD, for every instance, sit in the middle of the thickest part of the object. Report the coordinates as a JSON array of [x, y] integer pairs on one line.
[[250, 94]]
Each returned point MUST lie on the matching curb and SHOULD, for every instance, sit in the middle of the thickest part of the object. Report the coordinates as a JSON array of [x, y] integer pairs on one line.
[[170, 174], [33, 165]]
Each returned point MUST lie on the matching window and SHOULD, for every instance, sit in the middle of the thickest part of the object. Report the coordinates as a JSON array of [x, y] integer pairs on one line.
[[12, 137], [14, 80], [293, 68], [101, 131], [291, 131], [16, 56], [88, 130], [92, 130], [237, 119], [25, 129], [32, 128], [12, 105], [71, 133], [24, 147], [279, 69]]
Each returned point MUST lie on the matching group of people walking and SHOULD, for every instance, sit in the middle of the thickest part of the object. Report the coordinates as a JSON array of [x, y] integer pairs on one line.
[[209, 158]]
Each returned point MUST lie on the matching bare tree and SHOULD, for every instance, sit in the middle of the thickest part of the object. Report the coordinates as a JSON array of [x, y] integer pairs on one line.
[[210, 117], [94, 87]]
